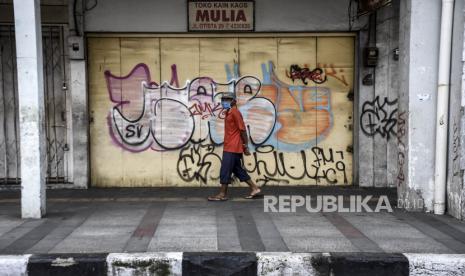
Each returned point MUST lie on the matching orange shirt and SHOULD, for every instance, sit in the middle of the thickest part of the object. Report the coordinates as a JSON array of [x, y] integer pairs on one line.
[[233, 125]]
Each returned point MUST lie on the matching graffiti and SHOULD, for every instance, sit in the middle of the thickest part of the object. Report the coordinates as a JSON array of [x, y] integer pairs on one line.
[[318, 75], [199, 162], [377, 119], [304, 114], [317, 164], [284, 123], [165, 117], [455, 149], [262, 182], [207, 110], [330, 71], [401, 132], [297, 73]]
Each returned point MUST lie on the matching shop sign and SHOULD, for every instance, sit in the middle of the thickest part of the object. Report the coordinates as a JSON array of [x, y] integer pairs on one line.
[[214, 16]]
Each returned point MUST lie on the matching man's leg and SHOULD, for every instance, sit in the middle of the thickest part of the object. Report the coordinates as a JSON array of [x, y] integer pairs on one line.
[[254, 188], [243, 176], [225, 177], [223, 190], [221, 195]]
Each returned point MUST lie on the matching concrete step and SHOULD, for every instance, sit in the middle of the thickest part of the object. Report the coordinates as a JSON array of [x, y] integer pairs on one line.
[[233, 263]]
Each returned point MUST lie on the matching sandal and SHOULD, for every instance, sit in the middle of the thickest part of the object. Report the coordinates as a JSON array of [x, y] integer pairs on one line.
[[217, 198], [253, 196]]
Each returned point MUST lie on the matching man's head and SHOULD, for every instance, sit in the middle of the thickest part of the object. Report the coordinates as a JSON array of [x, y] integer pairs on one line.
[[228, 100]]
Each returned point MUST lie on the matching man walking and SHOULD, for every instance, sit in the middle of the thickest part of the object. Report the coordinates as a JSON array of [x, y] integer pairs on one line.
[[235, 144]]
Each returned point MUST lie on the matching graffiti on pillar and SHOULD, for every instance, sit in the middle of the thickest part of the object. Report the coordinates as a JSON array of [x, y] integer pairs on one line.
[[379, 117], [401, 133], [455, 148]]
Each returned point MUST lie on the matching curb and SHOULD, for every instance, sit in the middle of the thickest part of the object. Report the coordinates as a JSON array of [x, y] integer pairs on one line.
[[66, 264], [169, 263], [332, 264], [233, 263]]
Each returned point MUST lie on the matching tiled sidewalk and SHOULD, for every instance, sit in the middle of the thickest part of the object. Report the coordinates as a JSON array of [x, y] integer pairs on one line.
[[139, 220]]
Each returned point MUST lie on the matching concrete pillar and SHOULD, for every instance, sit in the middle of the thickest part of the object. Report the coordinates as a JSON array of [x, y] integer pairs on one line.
[[456, 156], [364, 143], [79, 111], [80, 123], [31, 107], [387, 91], [377, 102], [419, 48]]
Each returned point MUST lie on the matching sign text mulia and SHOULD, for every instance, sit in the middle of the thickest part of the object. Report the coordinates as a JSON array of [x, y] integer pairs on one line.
[[220, 16]]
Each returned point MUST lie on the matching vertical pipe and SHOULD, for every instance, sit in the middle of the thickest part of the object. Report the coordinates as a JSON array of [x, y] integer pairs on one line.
[[442, 119]]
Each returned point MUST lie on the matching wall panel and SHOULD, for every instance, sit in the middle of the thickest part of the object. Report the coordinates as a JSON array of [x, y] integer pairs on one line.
[[158, 122]]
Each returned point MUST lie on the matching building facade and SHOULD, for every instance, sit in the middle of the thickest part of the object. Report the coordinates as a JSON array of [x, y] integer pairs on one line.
[[329, 96]]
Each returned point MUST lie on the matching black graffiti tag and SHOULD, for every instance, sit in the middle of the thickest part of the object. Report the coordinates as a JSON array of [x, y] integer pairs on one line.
[[377, 119], [318, 164], [196, 162], [297, 73], [199, 162]]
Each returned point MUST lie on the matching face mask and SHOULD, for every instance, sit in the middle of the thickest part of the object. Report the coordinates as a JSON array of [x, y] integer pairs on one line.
[[226, 105]]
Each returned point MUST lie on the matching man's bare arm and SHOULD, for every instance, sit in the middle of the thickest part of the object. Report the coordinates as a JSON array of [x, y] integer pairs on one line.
[[245, 139]]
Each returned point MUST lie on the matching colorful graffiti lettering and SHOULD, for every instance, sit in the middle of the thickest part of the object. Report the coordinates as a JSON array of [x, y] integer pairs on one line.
[[304, 114], [166, 117], [377, 119], [163, 117]]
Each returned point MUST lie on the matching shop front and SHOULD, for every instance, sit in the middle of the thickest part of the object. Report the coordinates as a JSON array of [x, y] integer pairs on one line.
[[155, 117]]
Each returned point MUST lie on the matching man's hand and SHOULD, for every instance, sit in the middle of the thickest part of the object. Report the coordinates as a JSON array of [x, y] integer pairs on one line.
[[245, 142]]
